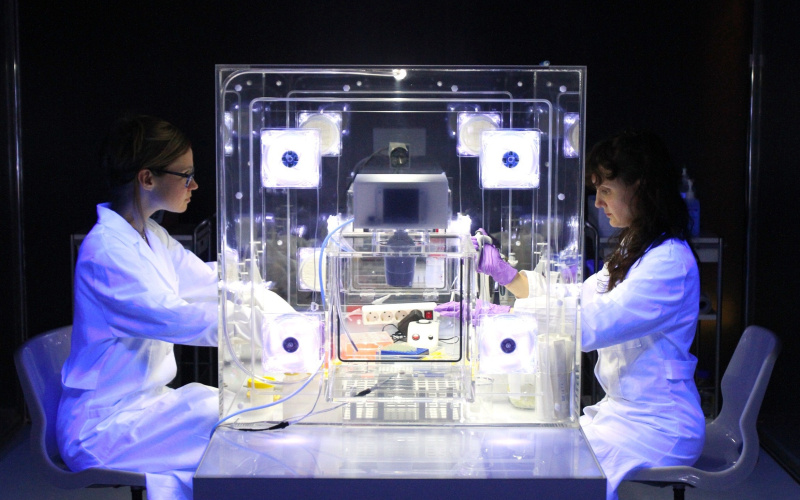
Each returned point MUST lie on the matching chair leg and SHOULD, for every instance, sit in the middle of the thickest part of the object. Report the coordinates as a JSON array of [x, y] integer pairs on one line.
[[136, 492], [678, 490]]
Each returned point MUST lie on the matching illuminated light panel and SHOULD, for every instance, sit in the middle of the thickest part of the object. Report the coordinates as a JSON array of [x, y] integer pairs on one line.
[[509, 159], [470, 128], [292, 343], [330, 130], [227, 133], [290, 158], [572, 135], [507, 344]]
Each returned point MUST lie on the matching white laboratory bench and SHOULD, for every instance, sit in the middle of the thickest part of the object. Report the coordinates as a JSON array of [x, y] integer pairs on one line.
[[353, 462]]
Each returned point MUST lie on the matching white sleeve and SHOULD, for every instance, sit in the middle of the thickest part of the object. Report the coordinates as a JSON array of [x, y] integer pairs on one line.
[[139, 302], [198, 281], [536, 283], [651, 298]]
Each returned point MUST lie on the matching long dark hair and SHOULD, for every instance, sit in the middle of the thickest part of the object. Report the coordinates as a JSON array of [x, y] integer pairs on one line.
[[659, 211]]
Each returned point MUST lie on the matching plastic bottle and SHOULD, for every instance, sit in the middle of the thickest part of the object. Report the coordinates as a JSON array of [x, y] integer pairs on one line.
[[684, 183], [693, 204]]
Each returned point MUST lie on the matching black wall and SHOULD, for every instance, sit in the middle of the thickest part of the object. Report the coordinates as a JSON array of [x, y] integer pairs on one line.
[[777, 275], [680, 68]]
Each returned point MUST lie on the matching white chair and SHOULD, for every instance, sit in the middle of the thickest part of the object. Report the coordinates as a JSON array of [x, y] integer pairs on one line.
[[731, 447], [39, 362]]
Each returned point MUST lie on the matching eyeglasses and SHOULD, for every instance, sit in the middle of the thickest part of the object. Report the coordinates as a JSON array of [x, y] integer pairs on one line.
[[189, 177]]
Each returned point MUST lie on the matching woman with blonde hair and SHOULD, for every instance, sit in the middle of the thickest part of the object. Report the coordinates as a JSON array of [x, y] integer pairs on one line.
[[137, 293]]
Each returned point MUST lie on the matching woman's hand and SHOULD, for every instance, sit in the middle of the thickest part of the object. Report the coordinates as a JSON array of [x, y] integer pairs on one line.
[[490, 262]]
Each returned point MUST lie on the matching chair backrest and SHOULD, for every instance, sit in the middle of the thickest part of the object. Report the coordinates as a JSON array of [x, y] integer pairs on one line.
[[39, 363], [731, 448], [743, 386]]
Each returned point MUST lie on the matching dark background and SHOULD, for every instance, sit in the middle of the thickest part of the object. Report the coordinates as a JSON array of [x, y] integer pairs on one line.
[[681, 68]]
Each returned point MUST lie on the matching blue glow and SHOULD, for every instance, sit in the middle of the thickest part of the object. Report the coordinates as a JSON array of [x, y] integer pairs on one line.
[[290, 159], [508, 344], [510, 159], [292, 343]]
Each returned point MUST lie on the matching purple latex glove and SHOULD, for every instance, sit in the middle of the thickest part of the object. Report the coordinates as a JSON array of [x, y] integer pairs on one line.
[[492, 264], [488, 309], [448, 309], [453, 309], [475, 244]]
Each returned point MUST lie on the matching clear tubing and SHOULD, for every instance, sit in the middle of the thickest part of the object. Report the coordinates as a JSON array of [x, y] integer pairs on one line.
[[280, 401]]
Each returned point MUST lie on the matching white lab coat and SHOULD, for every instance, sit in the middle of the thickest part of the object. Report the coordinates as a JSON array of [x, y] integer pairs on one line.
[[642, 330], [133, 301]]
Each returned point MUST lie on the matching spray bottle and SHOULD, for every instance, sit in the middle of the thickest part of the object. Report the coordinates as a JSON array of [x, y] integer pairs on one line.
[[684, 183], [693, 204]]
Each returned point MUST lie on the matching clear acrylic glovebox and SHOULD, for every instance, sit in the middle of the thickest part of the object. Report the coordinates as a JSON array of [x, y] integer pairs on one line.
[[348, 198]]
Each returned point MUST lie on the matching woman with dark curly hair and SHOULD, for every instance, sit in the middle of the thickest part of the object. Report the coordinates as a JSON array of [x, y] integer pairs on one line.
[[639, 312]]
